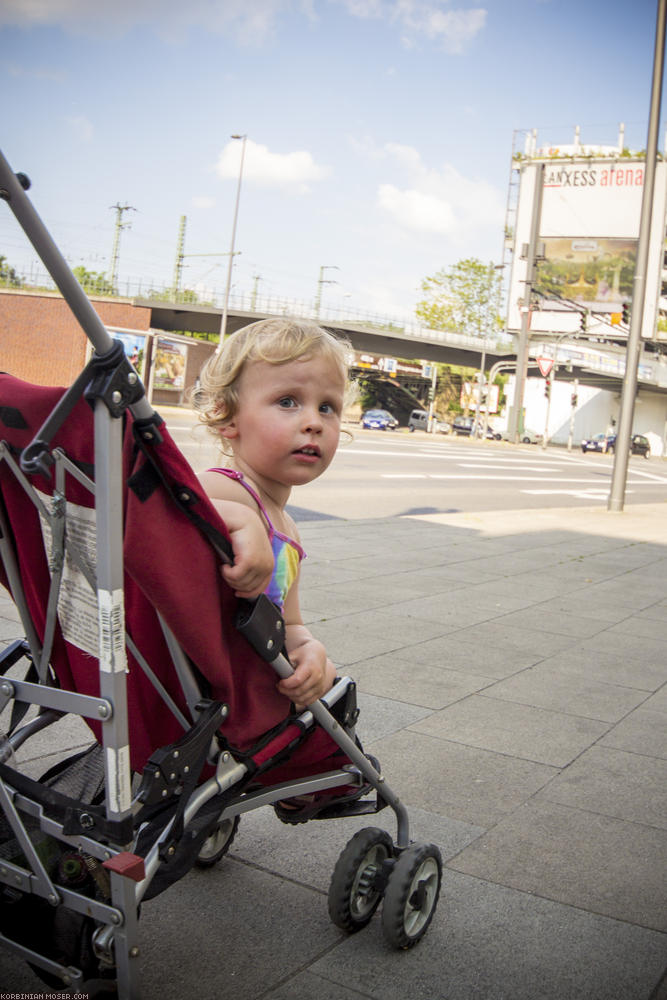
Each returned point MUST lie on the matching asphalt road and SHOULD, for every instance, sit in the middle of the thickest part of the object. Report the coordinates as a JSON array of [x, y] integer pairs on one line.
[[386, 474]]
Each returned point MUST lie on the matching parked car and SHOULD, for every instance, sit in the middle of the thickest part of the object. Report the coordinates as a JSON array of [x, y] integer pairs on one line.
[[418, 421], [530, 437], [639, 444], [379, 420], [526, 437], [463, 425]]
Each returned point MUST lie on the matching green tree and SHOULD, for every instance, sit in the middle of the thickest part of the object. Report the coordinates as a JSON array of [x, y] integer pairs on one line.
[[8, 275], [94, 282], [464, 298]]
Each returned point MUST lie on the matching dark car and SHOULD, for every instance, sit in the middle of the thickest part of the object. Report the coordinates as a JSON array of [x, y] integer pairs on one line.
[[599, 442], [379, 420], [639, 444]]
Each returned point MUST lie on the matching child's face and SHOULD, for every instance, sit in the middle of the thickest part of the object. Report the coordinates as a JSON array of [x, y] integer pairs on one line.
[[287, 424]]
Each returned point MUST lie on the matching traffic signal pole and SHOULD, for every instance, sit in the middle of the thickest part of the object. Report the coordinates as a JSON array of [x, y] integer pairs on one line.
[[629, 391]]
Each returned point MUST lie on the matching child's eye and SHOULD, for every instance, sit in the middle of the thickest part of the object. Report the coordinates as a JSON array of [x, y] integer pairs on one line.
[[326, 408], [286, 402]]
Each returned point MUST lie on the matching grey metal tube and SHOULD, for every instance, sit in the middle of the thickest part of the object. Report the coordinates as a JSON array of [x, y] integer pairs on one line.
[[622, 449]]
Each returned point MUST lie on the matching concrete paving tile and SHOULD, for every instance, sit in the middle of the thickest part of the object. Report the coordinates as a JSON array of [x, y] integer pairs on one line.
[[532, 734], [657, 613], [351, 638], [454, 613], [613, 783], [643, 732], [488, 659], [461, 782], [528, 640], [246, 932], [545, 686], [488, 942], [644, 627], [572, 604], [638, 648], [561, 624], [308, 986], [433, 687], [380, 716], [597, 863], [593, 659]]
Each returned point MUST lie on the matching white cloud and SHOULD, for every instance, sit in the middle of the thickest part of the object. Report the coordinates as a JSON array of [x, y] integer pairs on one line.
[[425, 213], [203, 201], [81, 127], [441, 201], [291, 171], [249, 21], [416, 19]]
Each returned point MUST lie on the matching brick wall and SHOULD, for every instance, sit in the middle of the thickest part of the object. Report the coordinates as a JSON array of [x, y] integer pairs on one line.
[[40, 340]]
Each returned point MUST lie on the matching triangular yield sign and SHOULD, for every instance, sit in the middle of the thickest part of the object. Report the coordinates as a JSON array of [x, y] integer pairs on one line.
[[545, 365]]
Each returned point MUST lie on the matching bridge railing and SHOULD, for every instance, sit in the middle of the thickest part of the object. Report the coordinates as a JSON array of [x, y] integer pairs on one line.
[[402, 325]]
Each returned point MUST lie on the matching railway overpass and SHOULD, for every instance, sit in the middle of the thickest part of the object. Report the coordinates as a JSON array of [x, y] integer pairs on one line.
[[592, 361]]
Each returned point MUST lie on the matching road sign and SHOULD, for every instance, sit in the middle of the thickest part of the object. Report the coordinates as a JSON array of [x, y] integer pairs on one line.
[[545, 365]]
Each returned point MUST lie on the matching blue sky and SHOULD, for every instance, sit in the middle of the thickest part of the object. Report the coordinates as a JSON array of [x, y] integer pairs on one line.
[[379, 131]]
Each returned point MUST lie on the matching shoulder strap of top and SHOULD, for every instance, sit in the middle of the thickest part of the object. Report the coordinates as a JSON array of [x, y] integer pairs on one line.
[[238, 476]]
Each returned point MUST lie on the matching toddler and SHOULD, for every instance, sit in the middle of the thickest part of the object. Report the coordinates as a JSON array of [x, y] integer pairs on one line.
[[273, 395]]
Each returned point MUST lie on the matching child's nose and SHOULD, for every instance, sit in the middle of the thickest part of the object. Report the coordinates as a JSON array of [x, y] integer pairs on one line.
[[313, 420]]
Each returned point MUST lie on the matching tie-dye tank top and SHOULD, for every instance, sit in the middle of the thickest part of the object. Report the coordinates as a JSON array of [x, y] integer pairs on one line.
[[287, 553]]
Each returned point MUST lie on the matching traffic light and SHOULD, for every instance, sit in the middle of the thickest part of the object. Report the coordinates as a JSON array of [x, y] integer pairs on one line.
[[625, 313], [547, 386], [573, 400], [583, 321]]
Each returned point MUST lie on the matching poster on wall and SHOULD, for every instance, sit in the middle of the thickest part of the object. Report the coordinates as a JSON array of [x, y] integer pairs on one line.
[[134, 345], [169, 365]]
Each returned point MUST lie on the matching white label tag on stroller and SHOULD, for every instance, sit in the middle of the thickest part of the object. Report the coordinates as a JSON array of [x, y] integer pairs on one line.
[[77, 600], [118, 770], [112, 631]]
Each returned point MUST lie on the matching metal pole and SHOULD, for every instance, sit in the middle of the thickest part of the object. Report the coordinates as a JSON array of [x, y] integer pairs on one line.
[[522, 352], [629, 391], [573, 412], [225, 304]]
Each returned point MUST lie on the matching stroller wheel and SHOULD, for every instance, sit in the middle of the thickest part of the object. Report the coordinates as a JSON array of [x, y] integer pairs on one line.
[[217, 843], [412, 895], [356, 888]]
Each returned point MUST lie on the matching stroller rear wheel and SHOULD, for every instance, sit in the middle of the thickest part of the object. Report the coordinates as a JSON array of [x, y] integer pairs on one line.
[[356, 884], [412, 895], [217, 843]]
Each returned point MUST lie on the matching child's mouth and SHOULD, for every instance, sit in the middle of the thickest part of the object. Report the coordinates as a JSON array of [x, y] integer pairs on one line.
[[308, 451]]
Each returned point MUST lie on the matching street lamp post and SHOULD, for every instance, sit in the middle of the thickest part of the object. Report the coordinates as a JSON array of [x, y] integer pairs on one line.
[[230, 265]]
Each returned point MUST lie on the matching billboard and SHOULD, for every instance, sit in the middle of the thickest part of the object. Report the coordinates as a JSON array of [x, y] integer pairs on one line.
[[588, 235]]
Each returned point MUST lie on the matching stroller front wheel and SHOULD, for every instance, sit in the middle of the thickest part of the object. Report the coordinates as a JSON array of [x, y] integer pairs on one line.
[[355, 890], [412, 895]]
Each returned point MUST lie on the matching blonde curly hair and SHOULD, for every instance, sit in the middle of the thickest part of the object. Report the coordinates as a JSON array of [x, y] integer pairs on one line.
[[275, 341]]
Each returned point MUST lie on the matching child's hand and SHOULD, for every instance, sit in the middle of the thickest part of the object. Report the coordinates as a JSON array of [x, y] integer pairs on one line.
[[314, 673], [253, 557]]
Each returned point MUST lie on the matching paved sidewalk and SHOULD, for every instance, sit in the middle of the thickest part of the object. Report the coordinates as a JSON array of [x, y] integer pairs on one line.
[[512, 670]]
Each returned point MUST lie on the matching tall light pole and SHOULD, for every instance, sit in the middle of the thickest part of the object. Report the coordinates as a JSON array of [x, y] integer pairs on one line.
[[225, 304], [622, 448]]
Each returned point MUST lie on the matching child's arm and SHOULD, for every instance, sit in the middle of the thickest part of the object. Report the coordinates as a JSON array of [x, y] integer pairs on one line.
[[314, 673], [253, 556]]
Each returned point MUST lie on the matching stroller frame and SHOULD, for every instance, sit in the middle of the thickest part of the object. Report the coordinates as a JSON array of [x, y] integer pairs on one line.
[[370, 868]]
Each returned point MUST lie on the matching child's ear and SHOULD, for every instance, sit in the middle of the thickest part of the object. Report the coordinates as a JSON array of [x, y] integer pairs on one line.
[[229, 430]]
